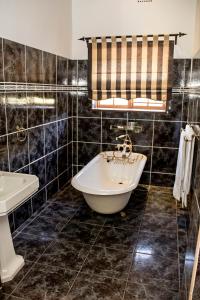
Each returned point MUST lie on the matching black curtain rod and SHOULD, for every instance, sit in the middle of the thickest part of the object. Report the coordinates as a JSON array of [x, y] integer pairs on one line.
[[175, 35]]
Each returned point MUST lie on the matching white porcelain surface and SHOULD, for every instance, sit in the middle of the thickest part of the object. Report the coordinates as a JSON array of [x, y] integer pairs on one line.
[[107, 186], [14, 190]]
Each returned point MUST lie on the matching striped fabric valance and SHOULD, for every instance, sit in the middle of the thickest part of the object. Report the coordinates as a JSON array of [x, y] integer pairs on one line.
[[130, 68]]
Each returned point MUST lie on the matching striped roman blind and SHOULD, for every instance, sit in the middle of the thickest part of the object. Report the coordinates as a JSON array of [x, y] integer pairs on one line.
[[130, 68]]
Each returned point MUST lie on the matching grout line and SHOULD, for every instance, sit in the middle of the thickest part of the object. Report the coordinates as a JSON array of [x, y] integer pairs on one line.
[[152, 144], [135, 145], [5, 109], [77, 130], [31, 220], [37, 126], [42, 157], [101, 143], [91, 246]]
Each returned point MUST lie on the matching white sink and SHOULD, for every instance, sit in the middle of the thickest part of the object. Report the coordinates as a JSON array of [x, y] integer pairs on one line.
[[15, 188]]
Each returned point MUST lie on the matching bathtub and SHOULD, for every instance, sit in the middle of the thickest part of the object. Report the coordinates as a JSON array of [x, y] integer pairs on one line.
[[107, 184]]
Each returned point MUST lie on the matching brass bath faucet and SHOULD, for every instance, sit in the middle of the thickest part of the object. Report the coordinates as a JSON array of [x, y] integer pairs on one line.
[[126, 146]]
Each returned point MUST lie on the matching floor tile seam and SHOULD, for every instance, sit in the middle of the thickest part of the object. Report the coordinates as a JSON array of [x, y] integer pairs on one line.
[[71, 286], [27, 273], [158, 256], [156, 234], [173, 215], [34, 218], [131, 263], [68, 221], [79, 222], [161, 214], [113, 248]]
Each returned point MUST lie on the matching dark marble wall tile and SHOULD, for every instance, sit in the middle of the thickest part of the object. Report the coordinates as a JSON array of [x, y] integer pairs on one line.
[[49, 68], [16, 109], [145, 178], [114, 114], [188, 66], [86, 152], [141, 115], [36, 143], [62, 70], [193, 108], [196, 171], [18, 151], [4, 165], [63, 159], [51, 137], [164, 160], [35, 102], [195, 82], [179, 73], [174, 109], [62, 105], [50, 106], [38, 168], [12, 224], [14, 61], [22, 213], [70, 104], [109, 134], [2, 114], [24, 170], [159, 179], [186, 99], [82, 72], [143, 134], [70, 154], [64, 178], [51, 166], [72, 72], [89, 130], [85, 106], [167, 134], [146, 151], [62, 132], [71, 125], [1, 61], [34, 72], [38, 201], [51, 189]]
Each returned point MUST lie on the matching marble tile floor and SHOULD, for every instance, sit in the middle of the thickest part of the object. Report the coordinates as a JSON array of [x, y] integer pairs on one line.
[[73, 253]]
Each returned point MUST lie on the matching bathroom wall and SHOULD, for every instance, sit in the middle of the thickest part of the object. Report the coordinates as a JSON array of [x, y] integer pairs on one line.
[[41, 107], [43, 24], [116, 17], [159, 138]]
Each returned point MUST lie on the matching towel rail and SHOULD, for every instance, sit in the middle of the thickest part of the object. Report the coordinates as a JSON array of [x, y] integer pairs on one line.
[[195, 135]]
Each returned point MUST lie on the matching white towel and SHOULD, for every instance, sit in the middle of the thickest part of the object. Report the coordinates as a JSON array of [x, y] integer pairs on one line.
[[184, 165]]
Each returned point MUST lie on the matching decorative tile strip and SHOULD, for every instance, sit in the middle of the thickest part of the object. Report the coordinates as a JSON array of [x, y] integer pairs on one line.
[[18, 86]]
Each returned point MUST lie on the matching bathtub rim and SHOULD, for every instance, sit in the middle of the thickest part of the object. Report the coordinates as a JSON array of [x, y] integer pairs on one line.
[[98, 191]]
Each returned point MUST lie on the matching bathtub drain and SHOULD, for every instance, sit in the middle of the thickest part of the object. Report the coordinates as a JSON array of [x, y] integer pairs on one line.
[[120, 182]]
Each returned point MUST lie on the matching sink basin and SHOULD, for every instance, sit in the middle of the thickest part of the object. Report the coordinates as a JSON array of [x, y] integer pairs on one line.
[[15, 188]]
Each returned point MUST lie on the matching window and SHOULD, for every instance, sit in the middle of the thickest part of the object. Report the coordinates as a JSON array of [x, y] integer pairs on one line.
[[138, 104]]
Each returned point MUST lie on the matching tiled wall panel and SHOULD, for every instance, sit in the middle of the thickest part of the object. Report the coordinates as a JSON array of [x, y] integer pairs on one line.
[[43, 146]]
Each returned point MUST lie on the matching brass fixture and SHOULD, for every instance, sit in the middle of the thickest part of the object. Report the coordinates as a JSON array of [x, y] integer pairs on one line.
[[21, 134], [131, 126]]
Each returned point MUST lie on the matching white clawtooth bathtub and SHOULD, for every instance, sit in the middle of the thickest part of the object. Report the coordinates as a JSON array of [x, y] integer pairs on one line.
[[107, 184]]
